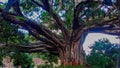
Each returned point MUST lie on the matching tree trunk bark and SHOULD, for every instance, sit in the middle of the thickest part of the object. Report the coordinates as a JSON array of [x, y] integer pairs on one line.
[[72, 55]]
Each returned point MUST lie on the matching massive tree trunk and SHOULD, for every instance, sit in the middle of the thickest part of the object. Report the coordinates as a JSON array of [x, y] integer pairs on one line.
[[72, 54]]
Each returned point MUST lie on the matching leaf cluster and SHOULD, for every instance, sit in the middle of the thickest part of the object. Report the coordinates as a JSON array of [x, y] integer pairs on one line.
[[103, 54], [23, 59], [9, 34]]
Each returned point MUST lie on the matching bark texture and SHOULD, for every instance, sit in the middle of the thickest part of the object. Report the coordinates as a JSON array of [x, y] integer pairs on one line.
[[72, 55]]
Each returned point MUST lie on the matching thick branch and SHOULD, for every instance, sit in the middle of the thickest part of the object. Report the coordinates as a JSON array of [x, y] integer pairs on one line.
[[32, 48], [45, 32], [118, 5], [37, 27], [10, 4], [45, 40], [32, 26], [58, 20], [78, 27], [39, 4], [16, 7], [61, 26], [34, 33], [79, 8], [94, 28], [110, 30]]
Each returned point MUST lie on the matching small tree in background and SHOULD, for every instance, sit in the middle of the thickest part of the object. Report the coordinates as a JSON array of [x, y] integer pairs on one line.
[[103, 54]]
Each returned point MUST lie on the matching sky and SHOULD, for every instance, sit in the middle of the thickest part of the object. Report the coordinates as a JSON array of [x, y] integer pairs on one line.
[[92, 37]]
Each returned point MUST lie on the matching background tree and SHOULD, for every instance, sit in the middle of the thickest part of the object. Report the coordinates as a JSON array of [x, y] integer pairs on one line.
[[72, 22], [9, 34], [103, 54]]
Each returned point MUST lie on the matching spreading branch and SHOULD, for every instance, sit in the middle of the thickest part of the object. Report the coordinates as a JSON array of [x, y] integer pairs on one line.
[[93, 26], [46, 6], [79, 8], [32, 47], [45, 32], [79, 28], [76, 25], [32, 26]]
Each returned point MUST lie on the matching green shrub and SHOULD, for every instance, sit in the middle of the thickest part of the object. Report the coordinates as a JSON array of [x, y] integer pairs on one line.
[[23, 59], [103, 54]]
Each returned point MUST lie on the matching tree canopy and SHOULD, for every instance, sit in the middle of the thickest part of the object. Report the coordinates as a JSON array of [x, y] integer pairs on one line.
[[62, 25]]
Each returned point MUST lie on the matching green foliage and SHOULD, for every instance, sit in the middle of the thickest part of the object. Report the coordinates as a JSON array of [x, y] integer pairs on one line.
[[68, 18], [23, 59], [98, 61], [9, 34], [27, 6], [93, 5], [5, 51], [21, 18], [92, 16], [103, 54], [45, 17], [2, 5]]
